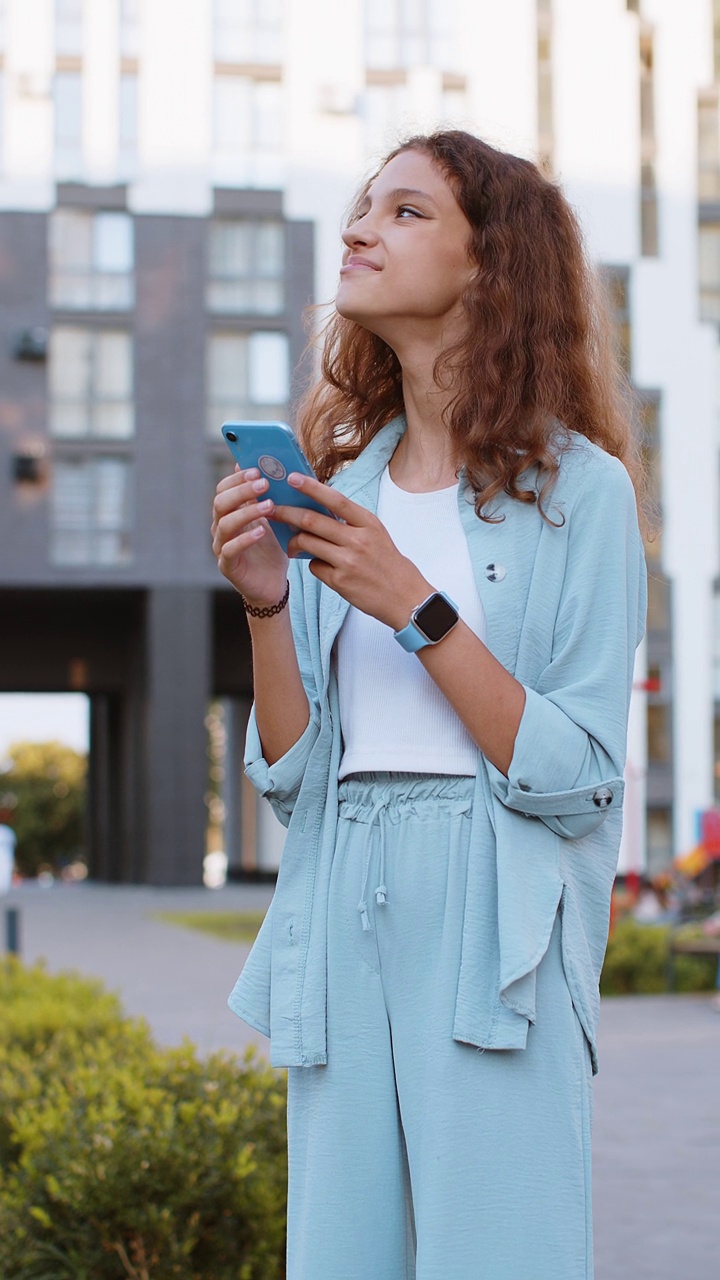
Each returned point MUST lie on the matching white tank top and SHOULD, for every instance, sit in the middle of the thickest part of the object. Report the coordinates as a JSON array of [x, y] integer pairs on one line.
[[392, 714]]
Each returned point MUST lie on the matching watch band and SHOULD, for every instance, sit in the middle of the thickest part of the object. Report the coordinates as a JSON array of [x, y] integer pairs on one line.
[[412, 637]]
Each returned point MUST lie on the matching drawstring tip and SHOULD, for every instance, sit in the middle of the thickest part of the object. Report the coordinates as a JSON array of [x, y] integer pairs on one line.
[[362, 908], [381, 895]]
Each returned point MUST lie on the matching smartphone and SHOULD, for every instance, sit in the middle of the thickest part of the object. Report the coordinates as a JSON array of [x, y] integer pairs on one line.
[[273, 448]]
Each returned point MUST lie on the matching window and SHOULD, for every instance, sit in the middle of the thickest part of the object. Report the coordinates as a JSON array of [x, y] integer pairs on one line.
[[68, 124], [455, 106], [708, 146], [248, 377], [617, 292], [248, 30], [658, 614], [648, 185], [246, 267], [659, 840], [386, 113], [648, 405], [716, 642], [658, 728], [709, 271], [69, 27], [91, 260], [90, 512], [545, 86], [407, 33], [91, 383], [129, 28], [248, 115], [128, 112]]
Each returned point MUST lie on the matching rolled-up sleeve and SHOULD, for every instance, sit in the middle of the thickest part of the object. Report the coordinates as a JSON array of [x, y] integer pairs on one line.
[[569, 754], [279, 782]]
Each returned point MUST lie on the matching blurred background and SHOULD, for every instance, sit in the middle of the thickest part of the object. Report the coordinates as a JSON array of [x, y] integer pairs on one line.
[[173, 176]]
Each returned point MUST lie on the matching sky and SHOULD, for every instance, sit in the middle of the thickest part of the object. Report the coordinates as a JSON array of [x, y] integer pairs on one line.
[[39, 717]]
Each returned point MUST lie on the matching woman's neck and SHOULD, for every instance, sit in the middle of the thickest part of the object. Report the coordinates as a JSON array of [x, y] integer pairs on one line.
[[424, 459]]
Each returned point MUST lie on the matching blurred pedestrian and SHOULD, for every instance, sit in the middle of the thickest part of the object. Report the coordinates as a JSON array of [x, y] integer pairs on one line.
[[8, 841]]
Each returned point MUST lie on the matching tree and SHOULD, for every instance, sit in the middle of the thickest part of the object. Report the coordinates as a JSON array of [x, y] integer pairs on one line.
[[43, 793]]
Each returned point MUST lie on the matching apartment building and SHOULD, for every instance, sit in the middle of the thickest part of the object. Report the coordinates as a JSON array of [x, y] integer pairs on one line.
[[173, 176]]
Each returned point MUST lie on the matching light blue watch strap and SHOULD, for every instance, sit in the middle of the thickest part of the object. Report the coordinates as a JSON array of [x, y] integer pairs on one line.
[[411, 638]]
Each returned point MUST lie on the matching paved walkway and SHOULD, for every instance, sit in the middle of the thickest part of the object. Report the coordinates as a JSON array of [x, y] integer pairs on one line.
[[657, 1098]]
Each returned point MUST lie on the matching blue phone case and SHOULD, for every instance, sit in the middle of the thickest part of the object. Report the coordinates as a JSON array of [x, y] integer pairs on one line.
[[274, 450]]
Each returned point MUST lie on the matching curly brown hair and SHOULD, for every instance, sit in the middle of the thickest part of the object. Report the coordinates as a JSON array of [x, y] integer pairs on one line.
[[536, 361]]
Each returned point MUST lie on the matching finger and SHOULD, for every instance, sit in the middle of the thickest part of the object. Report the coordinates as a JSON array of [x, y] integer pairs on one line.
[[314, 522], [336, 502], [233, 496], [320, 549], [236, 478], [232, 524], [229, 554]]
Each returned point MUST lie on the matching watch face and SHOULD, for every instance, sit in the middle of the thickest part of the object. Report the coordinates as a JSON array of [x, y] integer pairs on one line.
[[435, 618]]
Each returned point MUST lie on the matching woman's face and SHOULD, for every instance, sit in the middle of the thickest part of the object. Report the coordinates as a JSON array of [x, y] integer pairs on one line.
[[406, 260]]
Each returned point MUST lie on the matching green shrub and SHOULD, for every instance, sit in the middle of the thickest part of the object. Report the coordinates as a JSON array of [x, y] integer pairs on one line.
[[636, 962], [119, 1159]]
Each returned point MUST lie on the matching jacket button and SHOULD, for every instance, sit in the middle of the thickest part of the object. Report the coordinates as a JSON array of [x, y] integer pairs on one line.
[[602, 798], [495, 572]]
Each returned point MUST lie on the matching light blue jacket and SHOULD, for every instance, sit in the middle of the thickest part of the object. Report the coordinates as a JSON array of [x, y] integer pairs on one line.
[[564, 618]]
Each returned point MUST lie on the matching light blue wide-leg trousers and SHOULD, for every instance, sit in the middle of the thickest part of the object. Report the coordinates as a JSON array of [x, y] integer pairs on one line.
[[412, 1156]]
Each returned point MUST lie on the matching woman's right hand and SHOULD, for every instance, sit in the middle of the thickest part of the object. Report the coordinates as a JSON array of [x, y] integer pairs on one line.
[[247, 551]]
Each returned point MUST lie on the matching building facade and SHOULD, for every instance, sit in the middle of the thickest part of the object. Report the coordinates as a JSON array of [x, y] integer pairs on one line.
[[173, 177]]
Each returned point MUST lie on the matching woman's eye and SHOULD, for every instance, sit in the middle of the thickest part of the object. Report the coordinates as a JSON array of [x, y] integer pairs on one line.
[[407, 211]]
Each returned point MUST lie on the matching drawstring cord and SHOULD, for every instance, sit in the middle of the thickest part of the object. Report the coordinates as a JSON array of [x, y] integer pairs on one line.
[[381, 891]]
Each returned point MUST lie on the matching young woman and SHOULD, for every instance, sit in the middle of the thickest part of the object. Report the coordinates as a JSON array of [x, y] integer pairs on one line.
[[440, 721]]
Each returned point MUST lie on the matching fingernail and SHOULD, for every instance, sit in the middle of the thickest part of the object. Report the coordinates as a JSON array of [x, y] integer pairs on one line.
[[295, 479], [265, 506], [251, 474], [259, 485]]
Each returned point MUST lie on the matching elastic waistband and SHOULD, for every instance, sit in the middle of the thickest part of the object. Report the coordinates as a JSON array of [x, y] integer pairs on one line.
[[363, 794]]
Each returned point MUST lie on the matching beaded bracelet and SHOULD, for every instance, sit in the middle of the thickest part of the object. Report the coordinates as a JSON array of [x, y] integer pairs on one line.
[[268, 611]]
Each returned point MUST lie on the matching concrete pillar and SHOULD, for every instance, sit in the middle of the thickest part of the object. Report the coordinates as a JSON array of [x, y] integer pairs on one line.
[[178, 639], [105, 827]]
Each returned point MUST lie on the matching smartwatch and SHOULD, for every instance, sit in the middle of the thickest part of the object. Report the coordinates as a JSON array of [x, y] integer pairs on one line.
[[429, 623]]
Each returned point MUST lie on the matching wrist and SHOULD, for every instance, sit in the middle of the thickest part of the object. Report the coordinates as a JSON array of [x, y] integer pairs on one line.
[[409, 595], [263, 609]]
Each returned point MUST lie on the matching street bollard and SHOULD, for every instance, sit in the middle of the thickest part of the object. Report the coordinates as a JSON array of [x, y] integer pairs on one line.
[[12, 931]]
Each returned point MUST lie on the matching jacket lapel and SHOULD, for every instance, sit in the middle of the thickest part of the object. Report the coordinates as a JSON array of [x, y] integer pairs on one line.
[[499, 555]]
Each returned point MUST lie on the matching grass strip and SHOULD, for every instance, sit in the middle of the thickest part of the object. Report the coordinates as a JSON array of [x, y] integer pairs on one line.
[[232, 926]]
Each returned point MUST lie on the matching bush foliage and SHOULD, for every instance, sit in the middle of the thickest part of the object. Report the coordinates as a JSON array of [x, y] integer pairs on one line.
[[636, 962], [44, 790], [119, 1159]]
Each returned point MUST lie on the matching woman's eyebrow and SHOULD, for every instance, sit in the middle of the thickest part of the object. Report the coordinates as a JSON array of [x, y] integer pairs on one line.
[[391, 197], [405, 193]]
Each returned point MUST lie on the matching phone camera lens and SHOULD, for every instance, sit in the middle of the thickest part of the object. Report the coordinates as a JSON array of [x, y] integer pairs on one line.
[[230, 435]]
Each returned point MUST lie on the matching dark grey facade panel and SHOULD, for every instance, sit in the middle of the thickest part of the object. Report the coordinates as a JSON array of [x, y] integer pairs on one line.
[[300, 257], [235, 202], [23, 394], [172, 519], [178, 689], [78, 195]]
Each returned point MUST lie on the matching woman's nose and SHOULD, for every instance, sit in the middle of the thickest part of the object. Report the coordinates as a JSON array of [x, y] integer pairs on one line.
[[359, 232]]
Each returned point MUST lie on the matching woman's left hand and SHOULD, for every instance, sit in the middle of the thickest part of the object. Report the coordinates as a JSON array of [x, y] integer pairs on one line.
[[354, 555]]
